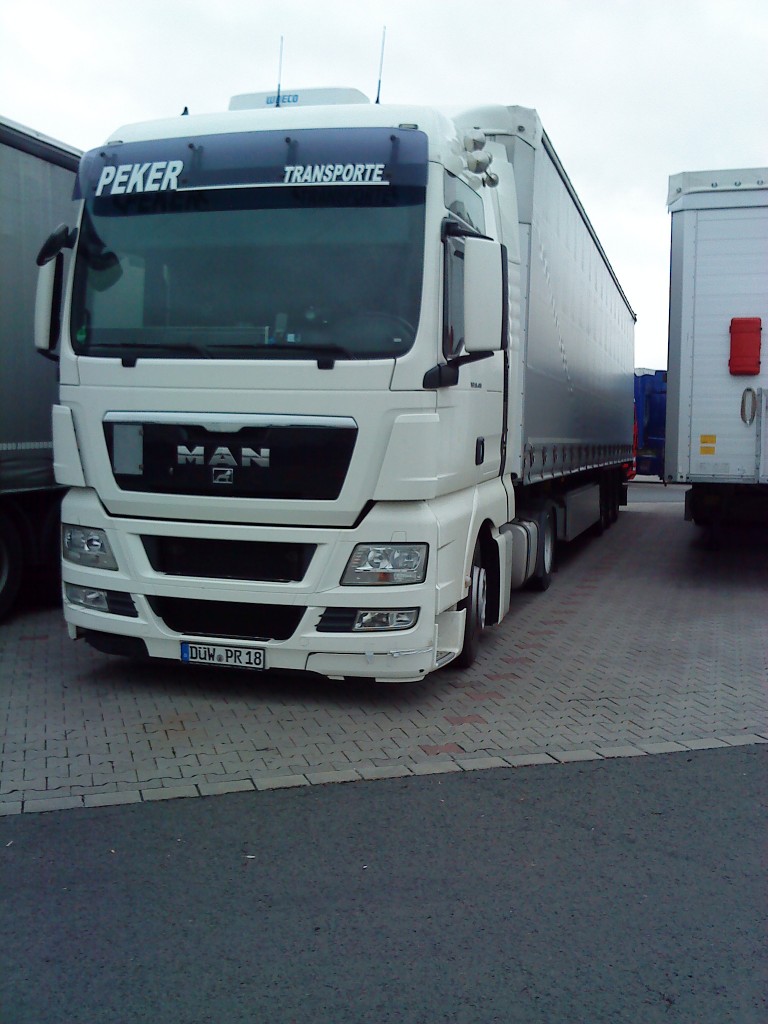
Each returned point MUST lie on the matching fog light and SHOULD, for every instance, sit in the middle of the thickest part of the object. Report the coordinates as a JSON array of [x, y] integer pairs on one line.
[[372, 620], [87, 597]]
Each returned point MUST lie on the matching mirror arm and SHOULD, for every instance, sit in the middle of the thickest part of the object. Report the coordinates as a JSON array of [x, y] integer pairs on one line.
[[453, 229], [446, 375], [62, 238]]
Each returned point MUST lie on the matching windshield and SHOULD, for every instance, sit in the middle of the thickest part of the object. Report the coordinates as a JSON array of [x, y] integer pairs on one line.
[[295, 271]]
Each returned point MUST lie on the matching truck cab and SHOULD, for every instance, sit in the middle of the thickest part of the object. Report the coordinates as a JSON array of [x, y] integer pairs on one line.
[[294, 387]]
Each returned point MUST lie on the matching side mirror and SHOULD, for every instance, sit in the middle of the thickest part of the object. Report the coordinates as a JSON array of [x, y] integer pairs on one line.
[[48, 305], [485, 295], [61, 238]]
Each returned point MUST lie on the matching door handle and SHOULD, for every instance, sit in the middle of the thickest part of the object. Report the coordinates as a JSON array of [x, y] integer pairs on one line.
[[749, 406]]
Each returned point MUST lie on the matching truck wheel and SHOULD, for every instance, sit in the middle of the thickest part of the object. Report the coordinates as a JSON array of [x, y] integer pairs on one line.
[[50, 547], [11, 563], [545, 556], [475, 603]]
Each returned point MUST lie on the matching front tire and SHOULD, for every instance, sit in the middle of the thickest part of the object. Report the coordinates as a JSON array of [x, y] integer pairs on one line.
[[476, 600], [545, 556]]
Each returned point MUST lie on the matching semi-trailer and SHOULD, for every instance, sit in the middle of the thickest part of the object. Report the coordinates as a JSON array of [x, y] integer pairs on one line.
[[335, 378], [37, 176], [716, 385]]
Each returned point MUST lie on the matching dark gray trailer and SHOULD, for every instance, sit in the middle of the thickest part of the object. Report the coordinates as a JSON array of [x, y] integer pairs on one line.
[[36, 182]]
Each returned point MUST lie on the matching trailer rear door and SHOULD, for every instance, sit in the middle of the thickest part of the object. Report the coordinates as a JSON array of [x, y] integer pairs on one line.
[[727, 414]]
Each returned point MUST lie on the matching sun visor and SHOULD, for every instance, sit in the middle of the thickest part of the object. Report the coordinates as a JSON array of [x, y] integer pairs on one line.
[[376, 157]]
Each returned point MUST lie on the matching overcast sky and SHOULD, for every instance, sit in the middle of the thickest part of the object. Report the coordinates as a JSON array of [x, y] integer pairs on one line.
[[629, 91]]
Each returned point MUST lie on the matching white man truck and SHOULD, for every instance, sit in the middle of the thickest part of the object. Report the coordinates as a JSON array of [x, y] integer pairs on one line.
[[334, 379], [717, 398], [37, 175]]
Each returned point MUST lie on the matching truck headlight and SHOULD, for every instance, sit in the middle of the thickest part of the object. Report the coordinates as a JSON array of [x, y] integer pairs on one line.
[[386, 565], [87, 545]]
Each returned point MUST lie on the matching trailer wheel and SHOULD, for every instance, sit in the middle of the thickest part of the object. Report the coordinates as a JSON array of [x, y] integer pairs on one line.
[[11, 563], [545, 556], [602, 523], [615, 497], [475, 603], [606, 505], [606, 502]]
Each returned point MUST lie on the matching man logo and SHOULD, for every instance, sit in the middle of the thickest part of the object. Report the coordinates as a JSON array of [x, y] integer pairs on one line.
[[223, 476], [223, 457]]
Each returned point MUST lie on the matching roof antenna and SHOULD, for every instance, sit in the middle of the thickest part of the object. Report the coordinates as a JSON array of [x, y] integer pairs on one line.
[[381, 62], [279, 72]]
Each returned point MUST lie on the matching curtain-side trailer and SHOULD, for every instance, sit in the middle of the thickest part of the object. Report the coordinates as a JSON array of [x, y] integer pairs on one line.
[[716, 438], [334, 380], [37, 176], [650, 414]]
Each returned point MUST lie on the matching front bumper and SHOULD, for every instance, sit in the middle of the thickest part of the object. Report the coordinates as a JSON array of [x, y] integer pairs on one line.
[[396, 655]]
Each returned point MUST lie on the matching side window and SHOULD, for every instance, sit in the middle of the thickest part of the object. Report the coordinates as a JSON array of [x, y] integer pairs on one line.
[[453, 297]]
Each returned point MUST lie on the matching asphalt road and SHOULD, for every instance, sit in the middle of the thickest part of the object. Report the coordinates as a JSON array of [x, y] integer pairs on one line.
[[597, 893]]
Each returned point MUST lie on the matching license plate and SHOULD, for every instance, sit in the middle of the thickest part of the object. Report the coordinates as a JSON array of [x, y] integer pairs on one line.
[[219, 654]]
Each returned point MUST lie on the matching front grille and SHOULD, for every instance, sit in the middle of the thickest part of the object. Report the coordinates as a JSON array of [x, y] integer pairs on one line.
[[228, 619], [337, 620], [119, 603], [229, 559], [294, 461]]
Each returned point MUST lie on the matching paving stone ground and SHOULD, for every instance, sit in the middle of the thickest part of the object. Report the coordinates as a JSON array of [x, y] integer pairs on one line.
[[647, 642]]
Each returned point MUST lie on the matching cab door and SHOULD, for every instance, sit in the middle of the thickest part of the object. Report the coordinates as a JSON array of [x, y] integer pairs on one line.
[[472, 409]]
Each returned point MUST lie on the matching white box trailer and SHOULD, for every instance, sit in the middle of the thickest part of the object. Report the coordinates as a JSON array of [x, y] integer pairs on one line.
[[716, 384], [37, 176], [334, 379]]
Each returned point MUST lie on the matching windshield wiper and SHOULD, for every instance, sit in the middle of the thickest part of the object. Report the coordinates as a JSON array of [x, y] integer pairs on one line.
[[129, 353], [153, 351], [325, 355]]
